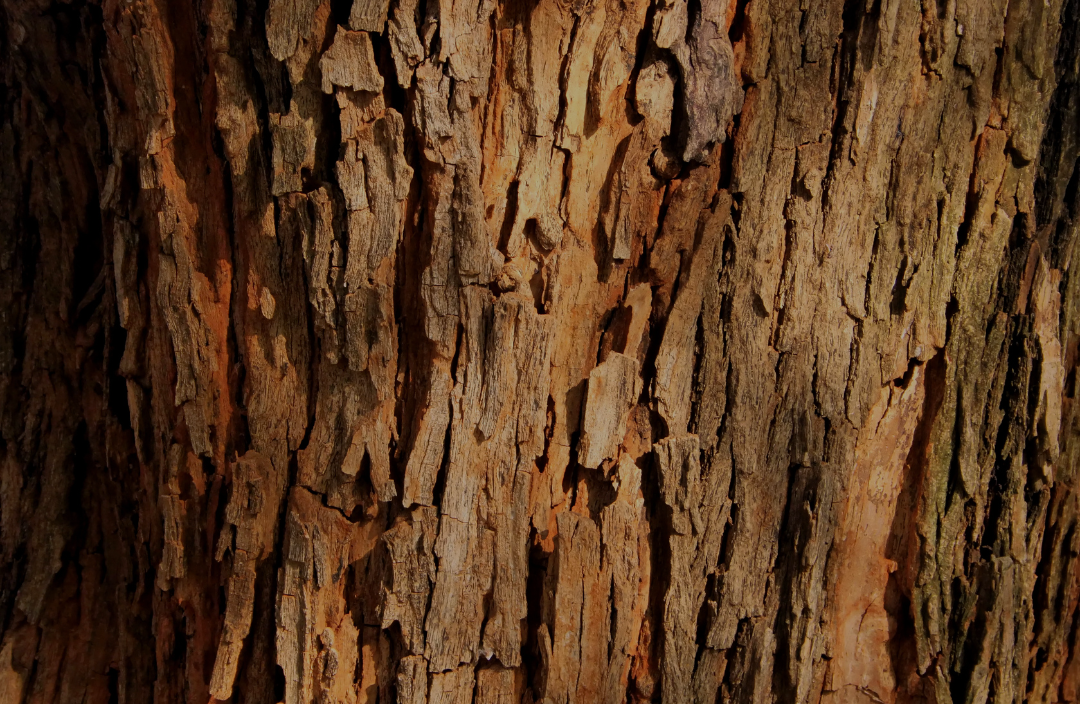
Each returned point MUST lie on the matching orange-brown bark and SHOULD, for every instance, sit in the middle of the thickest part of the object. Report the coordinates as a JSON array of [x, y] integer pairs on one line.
[[566, 352]]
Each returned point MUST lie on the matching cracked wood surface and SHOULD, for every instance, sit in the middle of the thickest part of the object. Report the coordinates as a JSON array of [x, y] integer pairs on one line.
[[458, 351]]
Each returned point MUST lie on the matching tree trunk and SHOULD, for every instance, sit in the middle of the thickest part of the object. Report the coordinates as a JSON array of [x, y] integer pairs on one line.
[[507, 351]]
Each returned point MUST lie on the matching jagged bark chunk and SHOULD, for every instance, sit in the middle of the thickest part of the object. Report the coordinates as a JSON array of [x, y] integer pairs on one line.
[[613, 388]]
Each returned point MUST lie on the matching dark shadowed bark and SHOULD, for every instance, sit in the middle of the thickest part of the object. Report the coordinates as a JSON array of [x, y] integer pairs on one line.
[[562, 351]]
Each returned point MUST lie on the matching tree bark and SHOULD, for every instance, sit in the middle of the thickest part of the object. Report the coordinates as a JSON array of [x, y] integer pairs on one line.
[[539, 351]]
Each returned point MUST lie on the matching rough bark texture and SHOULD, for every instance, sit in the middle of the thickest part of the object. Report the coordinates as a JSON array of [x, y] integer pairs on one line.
[[563, 351]]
